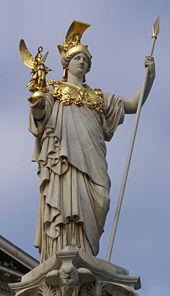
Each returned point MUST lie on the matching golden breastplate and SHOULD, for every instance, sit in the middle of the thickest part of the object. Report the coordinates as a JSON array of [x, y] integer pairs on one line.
[[71, 94]]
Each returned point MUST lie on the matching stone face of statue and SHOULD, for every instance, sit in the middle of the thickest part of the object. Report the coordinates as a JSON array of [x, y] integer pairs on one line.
[[78, 65]]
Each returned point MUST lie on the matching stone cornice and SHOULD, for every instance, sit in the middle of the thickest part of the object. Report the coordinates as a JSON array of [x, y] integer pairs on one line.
[[17, 254]]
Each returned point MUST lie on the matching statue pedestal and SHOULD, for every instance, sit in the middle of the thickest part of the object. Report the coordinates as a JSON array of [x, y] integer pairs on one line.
[[73, 273]]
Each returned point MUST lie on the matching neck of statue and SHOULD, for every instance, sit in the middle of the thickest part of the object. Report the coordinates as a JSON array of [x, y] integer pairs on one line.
[[75, 80]]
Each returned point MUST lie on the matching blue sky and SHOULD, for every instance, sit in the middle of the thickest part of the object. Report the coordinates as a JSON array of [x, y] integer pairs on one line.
[[119, 38]]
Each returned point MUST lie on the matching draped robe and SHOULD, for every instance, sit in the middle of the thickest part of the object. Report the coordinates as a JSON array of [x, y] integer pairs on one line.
[[74, 184]]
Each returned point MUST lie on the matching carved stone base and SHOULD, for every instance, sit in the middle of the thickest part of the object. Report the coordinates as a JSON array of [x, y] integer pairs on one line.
[[73, 273]]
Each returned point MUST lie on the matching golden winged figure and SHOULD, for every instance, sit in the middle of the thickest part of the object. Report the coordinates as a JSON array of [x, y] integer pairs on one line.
[[39, 70]]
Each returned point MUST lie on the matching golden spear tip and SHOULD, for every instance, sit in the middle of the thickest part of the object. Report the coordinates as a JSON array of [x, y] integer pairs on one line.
[[156, 28]]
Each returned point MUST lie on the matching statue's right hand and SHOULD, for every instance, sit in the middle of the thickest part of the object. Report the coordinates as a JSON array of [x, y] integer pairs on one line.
[[40, 104], [36, 97], [37, 104]]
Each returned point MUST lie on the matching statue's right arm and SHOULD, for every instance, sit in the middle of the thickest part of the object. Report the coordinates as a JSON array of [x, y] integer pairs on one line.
[[41, 107], [38, 109]]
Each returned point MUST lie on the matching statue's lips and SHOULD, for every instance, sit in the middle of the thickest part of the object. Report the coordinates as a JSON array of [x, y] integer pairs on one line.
[[81, 67]]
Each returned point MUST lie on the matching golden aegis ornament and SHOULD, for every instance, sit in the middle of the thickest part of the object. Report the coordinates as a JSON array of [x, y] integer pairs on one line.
[[72, 94]]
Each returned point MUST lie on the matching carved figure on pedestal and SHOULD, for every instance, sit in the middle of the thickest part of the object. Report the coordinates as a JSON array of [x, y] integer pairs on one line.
[[71, 122]]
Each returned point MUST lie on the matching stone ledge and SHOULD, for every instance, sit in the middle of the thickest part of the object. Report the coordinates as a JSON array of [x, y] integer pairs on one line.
[[71, 272]]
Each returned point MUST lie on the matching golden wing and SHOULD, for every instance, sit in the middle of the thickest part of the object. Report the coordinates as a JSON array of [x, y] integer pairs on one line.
[[45, 57], [26, 55]]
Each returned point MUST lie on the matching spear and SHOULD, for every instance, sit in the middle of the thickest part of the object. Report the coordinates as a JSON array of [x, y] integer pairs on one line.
[[116, 218]]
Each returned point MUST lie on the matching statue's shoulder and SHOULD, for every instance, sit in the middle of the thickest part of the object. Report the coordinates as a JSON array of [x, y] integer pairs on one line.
[[53, 82], [53, 85], [94, 98], [59, 85], [97, 92]]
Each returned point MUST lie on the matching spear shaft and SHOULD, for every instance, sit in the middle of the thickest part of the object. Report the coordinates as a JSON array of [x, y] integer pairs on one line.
[[126, 170]]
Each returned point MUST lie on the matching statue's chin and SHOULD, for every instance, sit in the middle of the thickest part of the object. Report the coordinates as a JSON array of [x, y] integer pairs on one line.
[[36, 96]]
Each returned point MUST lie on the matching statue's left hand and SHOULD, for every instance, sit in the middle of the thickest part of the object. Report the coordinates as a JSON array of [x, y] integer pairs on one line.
[[149, 62]]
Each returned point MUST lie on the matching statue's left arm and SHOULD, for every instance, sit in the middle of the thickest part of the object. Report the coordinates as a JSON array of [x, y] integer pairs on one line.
[[130, 106]]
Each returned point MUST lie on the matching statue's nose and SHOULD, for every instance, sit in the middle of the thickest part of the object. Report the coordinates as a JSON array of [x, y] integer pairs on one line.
[[81, 61]]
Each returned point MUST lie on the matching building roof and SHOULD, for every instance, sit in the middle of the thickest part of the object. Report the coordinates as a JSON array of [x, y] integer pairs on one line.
[[14, 263]]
